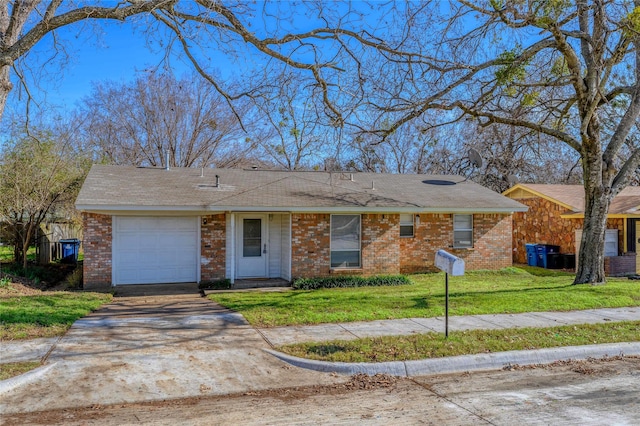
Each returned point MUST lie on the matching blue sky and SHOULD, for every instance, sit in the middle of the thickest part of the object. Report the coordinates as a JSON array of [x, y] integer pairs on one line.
[[119, 54], [104, 50], [111, 50]]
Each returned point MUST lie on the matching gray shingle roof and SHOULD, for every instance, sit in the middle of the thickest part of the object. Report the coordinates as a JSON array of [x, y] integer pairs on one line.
[[184, 189]]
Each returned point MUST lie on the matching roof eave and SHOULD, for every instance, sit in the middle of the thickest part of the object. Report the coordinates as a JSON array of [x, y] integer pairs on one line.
[[538, 194], [115, 209]]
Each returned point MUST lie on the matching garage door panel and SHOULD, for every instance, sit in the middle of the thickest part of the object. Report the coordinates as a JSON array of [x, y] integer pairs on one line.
[[148, 242], [183, 258], [182, 238], [155, 250], [129, 240], [132, 224]]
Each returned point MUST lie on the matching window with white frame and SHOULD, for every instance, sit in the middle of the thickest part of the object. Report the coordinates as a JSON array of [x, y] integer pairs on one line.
[[462, 231], [345, 241], [406, 225]]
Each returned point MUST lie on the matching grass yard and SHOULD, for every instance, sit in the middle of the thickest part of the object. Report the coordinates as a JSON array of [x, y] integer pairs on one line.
[[434, 345], [511, 290], [6, 254], [12, 369], [45, 314]]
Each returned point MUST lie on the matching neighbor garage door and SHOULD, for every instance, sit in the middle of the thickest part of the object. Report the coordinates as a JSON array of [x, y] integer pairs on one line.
[[150, 250]]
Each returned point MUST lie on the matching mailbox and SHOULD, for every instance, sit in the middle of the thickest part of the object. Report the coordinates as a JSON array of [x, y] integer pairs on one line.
[[449, 263]]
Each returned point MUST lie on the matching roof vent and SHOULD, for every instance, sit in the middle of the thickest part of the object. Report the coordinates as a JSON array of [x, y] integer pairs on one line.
[[217, 181], [440, 182]]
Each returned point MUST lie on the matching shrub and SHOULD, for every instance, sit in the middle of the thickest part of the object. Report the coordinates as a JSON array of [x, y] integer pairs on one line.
[[5, 281], [74, 279], [223, 284], [349, 281]]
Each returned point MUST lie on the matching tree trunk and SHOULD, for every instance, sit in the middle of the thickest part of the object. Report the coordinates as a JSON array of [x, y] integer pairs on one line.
[[597, 192], [5, 87], [590, 267]]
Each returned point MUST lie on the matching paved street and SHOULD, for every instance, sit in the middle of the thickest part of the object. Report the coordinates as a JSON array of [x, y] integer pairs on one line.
[[577, 393], [186, 360]]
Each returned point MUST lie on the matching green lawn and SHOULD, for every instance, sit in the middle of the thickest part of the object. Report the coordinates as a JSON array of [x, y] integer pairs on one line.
[[16, 368], [510, 290], [6, 254], [46, 314], [434, 345]]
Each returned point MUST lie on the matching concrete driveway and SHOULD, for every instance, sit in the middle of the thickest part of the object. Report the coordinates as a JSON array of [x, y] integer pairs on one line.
[[154, 348]]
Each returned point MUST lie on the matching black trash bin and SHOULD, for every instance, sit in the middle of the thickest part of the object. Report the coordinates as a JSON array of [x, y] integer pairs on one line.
[[543, 253], [569, 261], [70, 249], [555, 261]]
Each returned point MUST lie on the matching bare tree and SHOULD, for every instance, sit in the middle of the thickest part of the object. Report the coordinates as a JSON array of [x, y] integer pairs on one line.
[[137, 123], [509, 154], [407, 150], [197, 28], [566, 67], [289, 125]]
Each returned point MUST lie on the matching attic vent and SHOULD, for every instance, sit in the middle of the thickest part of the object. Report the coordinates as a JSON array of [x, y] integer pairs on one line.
[[439, 182]]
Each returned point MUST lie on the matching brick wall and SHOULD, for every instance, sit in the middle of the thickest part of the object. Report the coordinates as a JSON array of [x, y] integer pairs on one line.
[[491, 243], [617, 266], [431, 233], [385, 252], [310, 245], [380, 252], [97, 251], [212, 247], [542, 224]]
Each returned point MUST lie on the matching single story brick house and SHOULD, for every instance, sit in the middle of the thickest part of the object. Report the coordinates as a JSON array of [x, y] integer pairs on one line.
[[150, 225], [556, 215]]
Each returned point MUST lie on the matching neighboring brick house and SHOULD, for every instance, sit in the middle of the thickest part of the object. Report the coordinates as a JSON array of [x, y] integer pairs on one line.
[[556, 215], [149, 225]]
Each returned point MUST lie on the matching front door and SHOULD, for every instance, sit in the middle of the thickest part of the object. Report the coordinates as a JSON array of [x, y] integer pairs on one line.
[[252, 246]]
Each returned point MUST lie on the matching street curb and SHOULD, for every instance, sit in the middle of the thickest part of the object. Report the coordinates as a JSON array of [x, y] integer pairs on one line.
[[463, 363], [30, 376]]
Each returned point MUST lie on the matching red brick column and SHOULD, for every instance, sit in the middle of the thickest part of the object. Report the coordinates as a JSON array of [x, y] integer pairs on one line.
[[97, 238], [212, 247]]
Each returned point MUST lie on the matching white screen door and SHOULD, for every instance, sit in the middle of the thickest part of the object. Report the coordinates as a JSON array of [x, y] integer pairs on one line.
[[252, 246]]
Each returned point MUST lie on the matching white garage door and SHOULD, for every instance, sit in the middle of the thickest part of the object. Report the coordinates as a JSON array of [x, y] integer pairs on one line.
[[149, 250]]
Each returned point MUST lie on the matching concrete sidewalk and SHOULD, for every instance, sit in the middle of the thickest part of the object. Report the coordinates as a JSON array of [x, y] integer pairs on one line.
[[355, 330], [151, 348], [277, 336], [37, 349]]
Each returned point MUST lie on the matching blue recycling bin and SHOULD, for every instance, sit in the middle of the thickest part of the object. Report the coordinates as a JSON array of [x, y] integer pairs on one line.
[[70, 249], [532, 255], [544, 250]]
